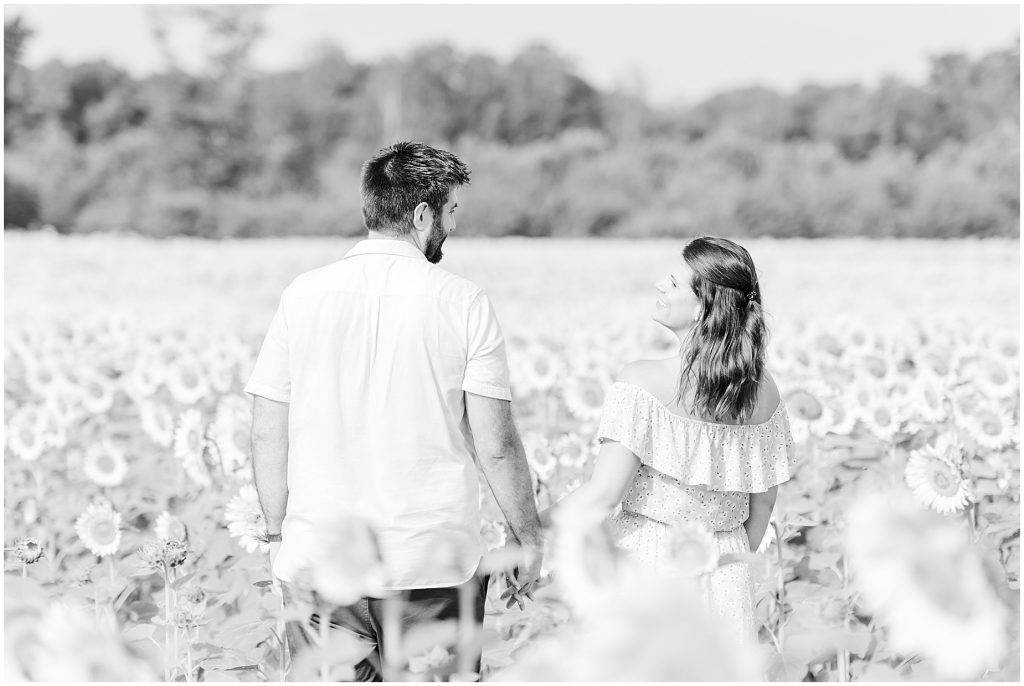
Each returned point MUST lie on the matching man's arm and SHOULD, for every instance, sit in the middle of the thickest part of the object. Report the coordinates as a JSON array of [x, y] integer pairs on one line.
[[503, 463], [269, 443], [761, 505]]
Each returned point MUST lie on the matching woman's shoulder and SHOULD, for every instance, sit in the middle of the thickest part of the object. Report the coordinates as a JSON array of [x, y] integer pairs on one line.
[[768, 398]]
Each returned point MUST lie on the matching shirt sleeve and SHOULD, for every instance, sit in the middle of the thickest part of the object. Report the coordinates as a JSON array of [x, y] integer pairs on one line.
[[270, 378], [487, 362]]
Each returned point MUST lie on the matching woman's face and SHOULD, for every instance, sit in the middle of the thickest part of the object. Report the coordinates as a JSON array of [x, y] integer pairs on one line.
[[676, 304]]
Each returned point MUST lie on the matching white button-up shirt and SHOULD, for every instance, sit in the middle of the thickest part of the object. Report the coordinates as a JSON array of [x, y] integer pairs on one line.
[[373, 354]]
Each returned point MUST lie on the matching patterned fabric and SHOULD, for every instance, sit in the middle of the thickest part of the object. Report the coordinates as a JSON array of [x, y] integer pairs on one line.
[[750, 458], [692, 470], [728, 592]]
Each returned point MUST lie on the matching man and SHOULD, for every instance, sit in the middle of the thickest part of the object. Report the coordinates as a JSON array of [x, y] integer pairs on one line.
[[381, 387]]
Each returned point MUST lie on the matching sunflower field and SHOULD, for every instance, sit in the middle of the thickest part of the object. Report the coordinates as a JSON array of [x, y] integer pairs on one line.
[[133, 543]]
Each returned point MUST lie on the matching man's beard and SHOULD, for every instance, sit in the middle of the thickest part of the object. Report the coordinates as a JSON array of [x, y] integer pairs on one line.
[[435, 240]]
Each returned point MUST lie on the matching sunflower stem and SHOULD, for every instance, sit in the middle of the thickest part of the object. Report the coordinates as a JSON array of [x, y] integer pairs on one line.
[[325, 621], [282, 631], [843, 662], [780, 640], [24, 570], [168, 659]]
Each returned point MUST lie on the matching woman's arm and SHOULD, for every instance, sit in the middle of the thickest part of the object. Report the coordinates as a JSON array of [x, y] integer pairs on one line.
[[761, 505], [613, 473]]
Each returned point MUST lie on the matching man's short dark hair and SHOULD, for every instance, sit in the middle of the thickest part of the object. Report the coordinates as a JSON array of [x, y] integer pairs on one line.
[[400, 177]]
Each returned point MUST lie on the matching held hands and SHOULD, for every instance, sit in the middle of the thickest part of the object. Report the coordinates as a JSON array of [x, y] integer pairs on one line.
[[524, 578]]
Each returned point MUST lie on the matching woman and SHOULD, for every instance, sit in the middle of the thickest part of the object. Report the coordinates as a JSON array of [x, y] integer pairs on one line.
[[703, 437]]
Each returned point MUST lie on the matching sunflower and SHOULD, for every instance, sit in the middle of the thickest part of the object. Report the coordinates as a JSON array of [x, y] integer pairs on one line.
[[235, 407], [494, 534], [843, 419], [28, 550], [882, 418], [928, 398], [584, 396], [937, 359], [97, 392], [159, 553], [573, 451], [43, 376], [145, 377], [190, 445], [246, 521], [157, 422], [99, 529], [231, 437], [1005, 345], [990, 426], [920, 575], [187, 381], [693, 549], [806, 405], [25, 435], [857, 338], [104, 464], [994, 378], [539, 455], [170, 528], [827, 342], [877, 366], [541, 368], [65, 405], [936, 479]]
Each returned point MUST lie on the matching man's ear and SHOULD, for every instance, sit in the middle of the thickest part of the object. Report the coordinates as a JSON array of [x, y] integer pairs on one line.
[[423, 217]]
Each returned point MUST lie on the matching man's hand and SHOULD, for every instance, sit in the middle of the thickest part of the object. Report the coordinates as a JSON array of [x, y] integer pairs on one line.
[[523, 580], [275, 583]]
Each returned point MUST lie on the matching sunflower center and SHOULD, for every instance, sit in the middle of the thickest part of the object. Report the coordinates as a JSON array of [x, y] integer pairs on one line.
[[806, 406], [991, 427], [190, 378], [105, 463], [997, 375], [103, 532], [193, 440], [28, 436], [942, 481]]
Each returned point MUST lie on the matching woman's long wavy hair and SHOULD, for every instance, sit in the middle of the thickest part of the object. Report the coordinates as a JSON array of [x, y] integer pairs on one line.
[[723, 355]]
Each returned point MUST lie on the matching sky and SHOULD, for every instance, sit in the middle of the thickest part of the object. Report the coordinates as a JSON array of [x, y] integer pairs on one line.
[[669, 53]]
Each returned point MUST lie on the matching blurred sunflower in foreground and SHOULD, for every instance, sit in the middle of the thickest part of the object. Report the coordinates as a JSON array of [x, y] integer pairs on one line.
[[921, 576]]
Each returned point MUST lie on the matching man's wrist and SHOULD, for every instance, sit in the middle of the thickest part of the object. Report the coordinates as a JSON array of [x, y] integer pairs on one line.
[[274, 538]]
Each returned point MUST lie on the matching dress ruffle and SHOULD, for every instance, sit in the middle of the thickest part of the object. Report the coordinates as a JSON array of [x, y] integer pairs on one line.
[[748, 457]]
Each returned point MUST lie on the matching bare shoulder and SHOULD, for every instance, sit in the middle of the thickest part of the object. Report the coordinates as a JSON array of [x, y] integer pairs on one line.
[[768, 397], [657, 377]]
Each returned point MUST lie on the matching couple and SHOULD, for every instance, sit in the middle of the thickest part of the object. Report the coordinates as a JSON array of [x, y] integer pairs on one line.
[[382, 386]]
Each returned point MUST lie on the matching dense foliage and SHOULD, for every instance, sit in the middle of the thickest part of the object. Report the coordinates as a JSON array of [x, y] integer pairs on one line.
[[223, 151]]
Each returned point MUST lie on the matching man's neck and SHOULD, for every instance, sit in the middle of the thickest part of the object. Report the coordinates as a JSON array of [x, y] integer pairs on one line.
[[407, 238]]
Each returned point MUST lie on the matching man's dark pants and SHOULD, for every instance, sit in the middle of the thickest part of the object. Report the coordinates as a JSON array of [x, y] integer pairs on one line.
[[365, 618]]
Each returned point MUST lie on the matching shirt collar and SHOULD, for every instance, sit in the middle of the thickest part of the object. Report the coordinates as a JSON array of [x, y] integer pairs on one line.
[[385, 246]]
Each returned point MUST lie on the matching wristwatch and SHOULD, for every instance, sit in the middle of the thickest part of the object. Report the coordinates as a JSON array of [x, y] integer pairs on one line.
[[273, 538]]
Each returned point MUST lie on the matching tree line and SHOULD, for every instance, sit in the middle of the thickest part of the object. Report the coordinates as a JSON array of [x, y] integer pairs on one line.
[[222, 150]]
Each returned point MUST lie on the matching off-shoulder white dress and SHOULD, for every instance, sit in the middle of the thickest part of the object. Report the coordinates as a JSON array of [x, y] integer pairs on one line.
[[699, 471]]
